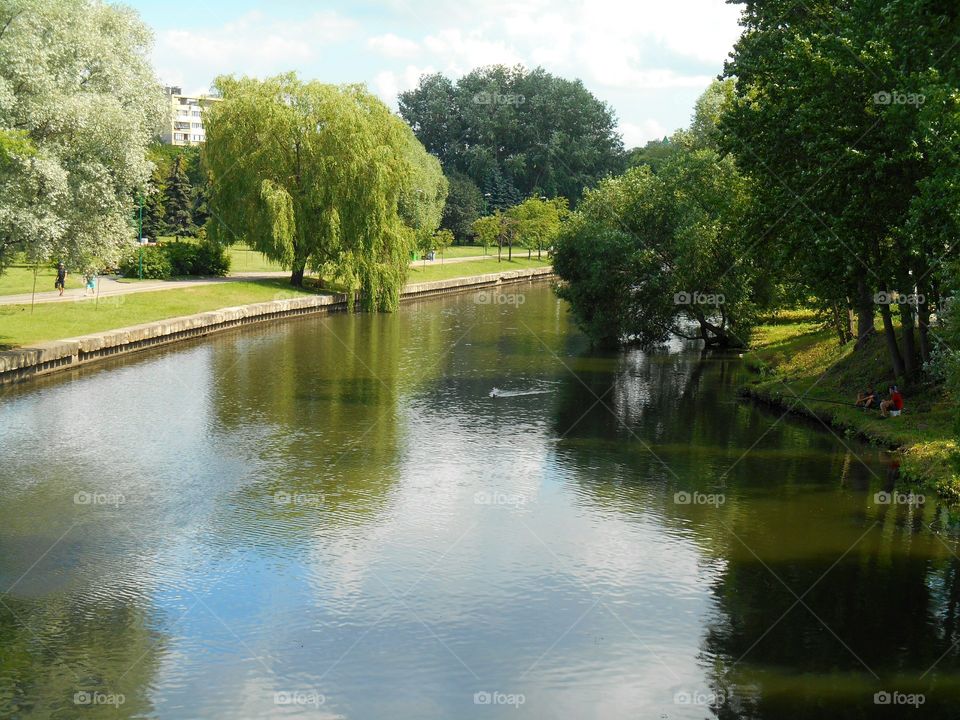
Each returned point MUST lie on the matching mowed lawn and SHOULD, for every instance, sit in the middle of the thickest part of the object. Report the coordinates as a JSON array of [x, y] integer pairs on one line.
[[436, 271], [70, 318], [57, 320], [17, 279]]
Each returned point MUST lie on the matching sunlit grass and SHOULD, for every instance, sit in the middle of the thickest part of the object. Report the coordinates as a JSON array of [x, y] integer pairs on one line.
[[801, 361]]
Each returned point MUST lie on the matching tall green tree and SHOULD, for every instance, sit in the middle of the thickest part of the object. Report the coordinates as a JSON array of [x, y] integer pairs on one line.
[[830, 120], [78, 106], [539, 222], [322, 176], [516, 132], [178, 201], [464, 205]]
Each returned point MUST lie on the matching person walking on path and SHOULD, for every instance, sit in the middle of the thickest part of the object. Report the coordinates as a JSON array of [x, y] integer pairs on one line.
[[61, 278]]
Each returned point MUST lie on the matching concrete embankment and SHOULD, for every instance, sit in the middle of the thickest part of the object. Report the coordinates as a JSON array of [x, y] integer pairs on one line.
[[43, 358]]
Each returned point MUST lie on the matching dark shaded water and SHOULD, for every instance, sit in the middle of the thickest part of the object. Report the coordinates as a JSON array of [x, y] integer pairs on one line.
[[332, 518]]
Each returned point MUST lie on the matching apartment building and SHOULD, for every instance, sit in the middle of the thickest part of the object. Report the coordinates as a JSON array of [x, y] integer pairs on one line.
[[185, 124]]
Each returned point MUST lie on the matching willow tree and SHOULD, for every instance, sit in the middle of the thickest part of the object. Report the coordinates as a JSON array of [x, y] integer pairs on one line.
[[320, 176]]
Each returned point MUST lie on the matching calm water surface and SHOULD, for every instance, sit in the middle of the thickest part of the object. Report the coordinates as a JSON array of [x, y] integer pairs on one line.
[[331, 518]]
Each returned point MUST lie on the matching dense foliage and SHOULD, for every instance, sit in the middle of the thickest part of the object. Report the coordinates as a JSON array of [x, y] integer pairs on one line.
[[845, 115], [78, 106], [650, 254], [173, 259], [321, 175], [515, 133]]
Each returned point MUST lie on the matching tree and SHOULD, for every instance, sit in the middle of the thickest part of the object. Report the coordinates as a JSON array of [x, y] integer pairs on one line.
[[653, 154], [516, 132], [464, 205], [832, 129], [320, 175], [487, 230], [80, 104], [178, 201], [538, 222], [647, 256], [153, 210]]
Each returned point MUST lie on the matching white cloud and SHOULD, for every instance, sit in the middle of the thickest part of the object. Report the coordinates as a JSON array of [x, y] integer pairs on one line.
[[253, 44], [393, 45], [639, 134], [389, 84]]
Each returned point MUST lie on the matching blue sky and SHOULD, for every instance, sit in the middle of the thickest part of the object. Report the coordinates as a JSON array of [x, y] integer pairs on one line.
[[648, 59]]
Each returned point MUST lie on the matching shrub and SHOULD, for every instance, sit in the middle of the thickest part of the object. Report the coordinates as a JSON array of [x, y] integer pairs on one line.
[[156, 263], [182, 256], [211, 259]]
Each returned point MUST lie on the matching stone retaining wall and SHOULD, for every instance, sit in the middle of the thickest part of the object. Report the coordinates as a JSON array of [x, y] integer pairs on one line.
[[47, 357]]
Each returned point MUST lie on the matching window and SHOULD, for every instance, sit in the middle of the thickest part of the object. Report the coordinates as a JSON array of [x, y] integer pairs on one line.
[[196, 126], [179, 136], [196, 113], [197, 138]]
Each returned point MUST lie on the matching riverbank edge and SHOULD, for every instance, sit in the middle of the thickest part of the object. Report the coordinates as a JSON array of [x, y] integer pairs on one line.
[[21, 364], [923, 466]]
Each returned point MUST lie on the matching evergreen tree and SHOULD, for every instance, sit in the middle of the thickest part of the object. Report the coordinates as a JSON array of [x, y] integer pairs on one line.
[[152, 199], [178, 201]]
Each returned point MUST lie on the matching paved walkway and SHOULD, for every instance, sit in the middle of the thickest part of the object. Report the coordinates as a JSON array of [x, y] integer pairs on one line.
[[111, 286]]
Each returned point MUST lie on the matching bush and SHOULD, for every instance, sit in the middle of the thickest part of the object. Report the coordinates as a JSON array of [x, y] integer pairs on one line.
[[179, 258], [182, 257], [156, 263], [211, 259]]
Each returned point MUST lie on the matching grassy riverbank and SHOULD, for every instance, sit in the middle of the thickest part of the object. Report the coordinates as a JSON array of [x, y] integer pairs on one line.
[[19, 327], [799, 366]]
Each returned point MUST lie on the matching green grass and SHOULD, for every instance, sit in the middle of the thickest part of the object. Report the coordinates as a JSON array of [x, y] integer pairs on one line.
[[70, 318], [436, 271], [802, 359], [51, 321], [457, 251], [17, 279]]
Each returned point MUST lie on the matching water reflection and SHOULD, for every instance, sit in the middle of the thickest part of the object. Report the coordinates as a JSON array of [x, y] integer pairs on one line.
[[335, 512]]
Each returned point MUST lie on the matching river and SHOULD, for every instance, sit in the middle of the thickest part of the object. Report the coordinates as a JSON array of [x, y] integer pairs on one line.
[[332, 518]]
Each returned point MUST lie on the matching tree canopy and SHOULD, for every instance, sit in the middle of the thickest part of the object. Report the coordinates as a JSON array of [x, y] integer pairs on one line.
[[78, 106], [848, 123], [322, 176], [515, 132]]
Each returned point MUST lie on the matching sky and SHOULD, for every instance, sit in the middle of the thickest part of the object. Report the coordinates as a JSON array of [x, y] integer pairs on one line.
[[648, 59]]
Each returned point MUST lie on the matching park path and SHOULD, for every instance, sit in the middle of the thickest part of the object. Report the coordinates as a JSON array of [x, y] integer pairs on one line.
[[111, 286]]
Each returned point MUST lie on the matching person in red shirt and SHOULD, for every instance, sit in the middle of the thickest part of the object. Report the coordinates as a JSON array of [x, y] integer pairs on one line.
[[893, 406]]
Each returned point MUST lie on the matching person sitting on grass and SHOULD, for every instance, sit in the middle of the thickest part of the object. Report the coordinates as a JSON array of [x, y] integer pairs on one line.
[[894, 406], [868, 398]]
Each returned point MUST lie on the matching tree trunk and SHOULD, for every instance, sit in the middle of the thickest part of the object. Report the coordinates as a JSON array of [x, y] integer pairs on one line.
[[896, 359], [923, 322], [865, 312], [909, 344], [296, 277]]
